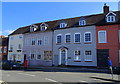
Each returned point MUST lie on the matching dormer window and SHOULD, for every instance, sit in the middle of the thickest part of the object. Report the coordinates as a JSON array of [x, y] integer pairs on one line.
[[33, 28], [43, 27], [82, 22], [110, 17], [63, 24]]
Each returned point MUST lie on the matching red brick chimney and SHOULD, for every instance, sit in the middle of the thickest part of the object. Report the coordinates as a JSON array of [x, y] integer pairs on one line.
[[105, 9], [2, 36]]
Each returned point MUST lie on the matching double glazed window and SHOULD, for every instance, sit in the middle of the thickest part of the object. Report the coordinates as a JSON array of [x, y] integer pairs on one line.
[[102, 37], [67, 38], [88, 37], [77, 38], [77, 55], [63, 25], [88, 55], [59, 37], [39, 42]]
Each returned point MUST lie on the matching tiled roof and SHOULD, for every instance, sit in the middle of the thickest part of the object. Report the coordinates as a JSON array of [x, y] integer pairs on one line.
[[97, 19]]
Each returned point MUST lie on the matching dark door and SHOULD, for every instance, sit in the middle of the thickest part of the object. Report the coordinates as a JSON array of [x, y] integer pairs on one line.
[[102, 56], [24, 57]]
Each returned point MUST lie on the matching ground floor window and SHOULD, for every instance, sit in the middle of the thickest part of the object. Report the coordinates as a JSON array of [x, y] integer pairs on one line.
[[88, 55], [77, 55], [38, 57], [32, 56], [47, 55]]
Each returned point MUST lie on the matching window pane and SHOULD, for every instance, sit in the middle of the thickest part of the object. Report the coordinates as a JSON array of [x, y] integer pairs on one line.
[[58, 39], [88, 37], [77, 55], [77, 37], [102, 37], [67, 38]]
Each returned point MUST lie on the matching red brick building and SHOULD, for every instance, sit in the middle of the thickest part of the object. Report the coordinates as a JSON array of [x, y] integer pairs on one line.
[[108, 38], [3, 47]]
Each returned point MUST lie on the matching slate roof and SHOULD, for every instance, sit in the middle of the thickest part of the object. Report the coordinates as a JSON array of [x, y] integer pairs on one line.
[[97, 19]]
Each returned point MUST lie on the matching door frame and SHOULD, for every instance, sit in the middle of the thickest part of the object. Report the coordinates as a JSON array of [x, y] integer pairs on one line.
[[60, 56]]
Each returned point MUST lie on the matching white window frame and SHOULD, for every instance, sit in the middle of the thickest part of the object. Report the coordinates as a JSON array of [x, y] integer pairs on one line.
[[82, 22], [80, 38], [63, 25], [57, 39], [65, 37], [90, 37], [75, 56], [110, 17], [41, 27], [38, 53], [99, 36], [87, 55], [46, 41]]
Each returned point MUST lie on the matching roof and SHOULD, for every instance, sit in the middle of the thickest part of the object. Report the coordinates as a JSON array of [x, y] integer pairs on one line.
[[96, 19], [4, 41]]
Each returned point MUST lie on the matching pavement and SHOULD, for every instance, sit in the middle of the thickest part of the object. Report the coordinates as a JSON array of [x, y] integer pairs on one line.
[[68, 69]]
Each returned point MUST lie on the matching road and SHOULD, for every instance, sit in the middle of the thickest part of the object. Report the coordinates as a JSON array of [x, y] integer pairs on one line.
[[41, 77]]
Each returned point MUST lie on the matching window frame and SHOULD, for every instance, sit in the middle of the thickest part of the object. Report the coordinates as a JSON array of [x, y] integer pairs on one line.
[[38, 53], [32, 42], [82, 22], [57, 38], [46, 42], [38, 42], [33, 54], [105, 36], [65, 37], [77, 55], [90, 37], [75, 38], [63, 25], [41, 27], [87, 55]]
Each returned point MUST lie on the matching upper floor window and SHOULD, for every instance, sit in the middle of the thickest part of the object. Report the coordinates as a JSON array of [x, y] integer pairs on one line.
[[88, 37], [46, 40], [19, 46], [33, 42], [39, 42], [33, 28], [82, 21], [11, 47], [77, 38], [43, 27], [111, 17], [102, 37], [20, 36], [77, 55], [67, 38], [12, 38], [59, 38], [63, 25]]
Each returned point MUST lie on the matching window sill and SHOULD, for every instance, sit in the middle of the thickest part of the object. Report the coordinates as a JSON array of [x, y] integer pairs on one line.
[[88, 43], [88, 61], [77, 43], [67, 43], [58, 43], [77, 61]]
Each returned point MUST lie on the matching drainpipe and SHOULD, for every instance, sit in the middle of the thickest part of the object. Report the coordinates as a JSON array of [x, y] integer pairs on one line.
[[52, 47]]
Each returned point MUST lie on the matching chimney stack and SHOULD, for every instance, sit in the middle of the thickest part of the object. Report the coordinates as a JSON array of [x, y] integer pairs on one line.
[[105, 9], [2, 36]]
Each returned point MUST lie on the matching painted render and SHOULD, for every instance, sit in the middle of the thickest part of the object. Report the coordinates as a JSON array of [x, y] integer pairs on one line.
[[15, 40], [71, 47], [28, 48]]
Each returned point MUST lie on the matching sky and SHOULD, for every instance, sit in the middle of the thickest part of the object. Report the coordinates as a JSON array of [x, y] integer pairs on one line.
[[20, 14]]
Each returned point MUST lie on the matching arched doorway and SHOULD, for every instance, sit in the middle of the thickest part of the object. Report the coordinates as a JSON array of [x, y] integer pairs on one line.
[[63, 56]]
